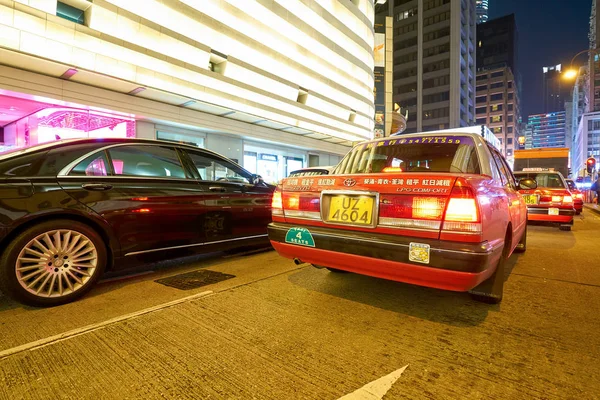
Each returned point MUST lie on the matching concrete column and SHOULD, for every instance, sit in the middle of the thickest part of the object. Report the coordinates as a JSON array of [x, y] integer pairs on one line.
[[145, 130]]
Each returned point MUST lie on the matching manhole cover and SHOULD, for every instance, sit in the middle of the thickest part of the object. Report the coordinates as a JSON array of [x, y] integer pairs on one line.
[[195, 279]]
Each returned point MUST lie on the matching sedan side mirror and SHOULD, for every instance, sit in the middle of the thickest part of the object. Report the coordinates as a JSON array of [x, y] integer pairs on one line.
[[527, 184], [256, 179]]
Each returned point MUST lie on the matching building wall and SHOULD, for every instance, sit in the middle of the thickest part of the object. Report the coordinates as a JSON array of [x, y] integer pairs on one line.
[[434, 62], [548, 130], [586, 142], [497, 106], [482, 11], [305, 65]]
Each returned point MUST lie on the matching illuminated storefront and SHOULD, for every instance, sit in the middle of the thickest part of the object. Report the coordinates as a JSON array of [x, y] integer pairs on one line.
[[26, 123]]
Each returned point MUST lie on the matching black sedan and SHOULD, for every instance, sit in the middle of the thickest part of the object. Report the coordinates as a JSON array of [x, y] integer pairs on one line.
[[71, 210]]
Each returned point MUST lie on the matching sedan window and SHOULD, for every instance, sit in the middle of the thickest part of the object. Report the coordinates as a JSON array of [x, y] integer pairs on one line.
[[213, 169], [94, 165], [146, 161]]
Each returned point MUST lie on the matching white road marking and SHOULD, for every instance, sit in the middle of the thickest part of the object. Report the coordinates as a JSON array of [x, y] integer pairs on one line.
[[377, 389], [93, 327]]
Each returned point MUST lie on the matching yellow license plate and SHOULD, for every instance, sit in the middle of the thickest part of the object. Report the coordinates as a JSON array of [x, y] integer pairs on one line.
[[530, 199], [356, 210]]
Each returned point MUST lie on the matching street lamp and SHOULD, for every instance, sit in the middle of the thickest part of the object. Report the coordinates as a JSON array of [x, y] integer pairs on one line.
[[572, 73]]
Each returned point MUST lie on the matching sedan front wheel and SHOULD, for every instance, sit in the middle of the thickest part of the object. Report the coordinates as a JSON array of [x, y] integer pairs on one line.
[[52, 263]]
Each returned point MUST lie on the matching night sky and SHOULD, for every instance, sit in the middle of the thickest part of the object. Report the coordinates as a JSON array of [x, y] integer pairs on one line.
[[550, 32]]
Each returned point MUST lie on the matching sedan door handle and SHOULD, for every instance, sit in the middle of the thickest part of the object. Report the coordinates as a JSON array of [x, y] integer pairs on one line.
[[96, 186], [217, 189]]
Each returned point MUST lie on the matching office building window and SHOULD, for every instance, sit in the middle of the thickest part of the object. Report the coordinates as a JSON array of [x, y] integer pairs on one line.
[[436, 18], [497, 96], [496, 107], [406, 14], [497, 85], [509, 129], [497, 118], [435, 82], [480, 110], [481, 121], [481, 99], [69, 13], [497, 74], [481, 88]]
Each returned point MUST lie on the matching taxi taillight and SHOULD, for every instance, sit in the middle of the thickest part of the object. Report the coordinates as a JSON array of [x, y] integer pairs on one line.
[[277, 203], [462, 212]]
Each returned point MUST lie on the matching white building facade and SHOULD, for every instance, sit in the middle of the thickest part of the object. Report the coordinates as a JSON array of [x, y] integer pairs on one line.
[[272, 84]]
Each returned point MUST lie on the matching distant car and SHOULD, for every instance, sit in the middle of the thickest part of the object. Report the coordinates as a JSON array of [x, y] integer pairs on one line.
[[311, 171], [551, 201], [439, 210], [71, 210], [577, 196]]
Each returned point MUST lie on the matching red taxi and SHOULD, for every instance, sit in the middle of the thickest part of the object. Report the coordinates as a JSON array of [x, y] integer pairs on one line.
[[577, 196], [439, 210], [551, 201]]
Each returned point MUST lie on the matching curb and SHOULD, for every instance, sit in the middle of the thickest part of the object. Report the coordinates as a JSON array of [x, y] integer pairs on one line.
[[594, 209]]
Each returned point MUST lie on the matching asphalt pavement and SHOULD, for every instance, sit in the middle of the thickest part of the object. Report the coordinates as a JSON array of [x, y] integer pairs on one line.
[[281, 331]]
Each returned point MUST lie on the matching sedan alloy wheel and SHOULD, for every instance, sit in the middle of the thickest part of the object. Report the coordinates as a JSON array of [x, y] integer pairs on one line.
[[56, 263]]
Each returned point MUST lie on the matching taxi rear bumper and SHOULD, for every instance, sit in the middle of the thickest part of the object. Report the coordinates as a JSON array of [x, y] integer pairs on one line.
[[565, 215], [452, 265]]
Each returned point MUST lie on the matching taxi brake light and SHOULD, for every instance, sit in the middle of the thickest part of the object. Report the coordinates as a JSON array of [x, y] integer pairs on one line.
[[292, 202], [579, 196], [567, 199], [557, 199]]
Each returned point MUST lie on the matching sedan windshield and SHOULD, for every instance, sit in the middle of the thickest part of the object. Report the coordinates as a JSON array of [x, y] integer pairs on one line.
[[417, 154]]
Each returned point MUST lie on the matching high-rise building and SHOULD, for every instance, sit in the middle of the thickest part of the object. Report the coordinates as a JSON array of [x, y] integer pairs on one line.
[[434, 62], [497, 43], [555, 89], [482, 11], [593, 84], [586, 142], [575, 109], [497, 106], [548, 130], [497, 91]]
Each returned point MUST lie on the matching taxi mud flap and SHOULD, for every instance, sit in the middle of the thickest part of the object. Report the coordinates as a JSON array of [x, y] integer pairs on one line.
[[490, 291]]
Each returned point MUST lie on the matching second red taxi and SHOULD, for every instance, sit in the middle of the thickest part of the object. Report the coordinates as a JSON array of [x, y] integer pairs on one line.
[[551, 201], [440, 210]]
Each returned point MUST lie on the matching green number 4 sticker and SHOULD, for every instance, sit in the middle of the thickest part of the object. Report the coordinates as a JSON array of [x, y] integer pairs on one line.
[[300, 236]]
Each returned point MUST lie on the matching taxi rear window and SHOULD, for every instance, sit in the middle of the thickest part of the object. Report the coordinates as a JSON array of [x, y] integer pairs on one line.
[[422, 154], [544, 179]]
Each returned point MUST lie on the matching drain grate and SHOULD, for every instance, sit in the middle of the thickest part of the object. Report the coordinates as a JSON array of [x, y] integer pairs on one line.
[[194, 279]]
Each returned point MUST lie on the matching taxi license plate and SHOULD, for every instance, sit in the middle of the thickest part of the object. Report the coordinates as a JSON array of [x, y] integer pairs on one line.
[[553, 211], [355, 210], [531, 198]]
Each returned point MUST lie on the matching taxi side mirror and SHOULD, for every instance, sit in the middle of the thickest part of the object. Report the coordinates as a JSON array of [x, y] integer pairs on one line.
[[527, 184]]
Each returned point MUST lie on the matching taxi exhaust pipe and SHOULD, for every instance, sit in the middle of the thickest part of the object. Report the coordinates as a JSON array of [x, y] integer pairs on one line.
[[298, 261]]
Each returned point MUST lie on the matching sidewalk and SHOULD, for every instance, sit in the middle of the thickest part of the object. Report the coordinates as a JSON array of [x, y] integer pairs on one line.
[[592, 207]]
